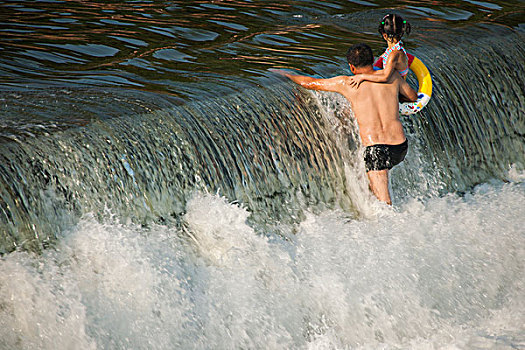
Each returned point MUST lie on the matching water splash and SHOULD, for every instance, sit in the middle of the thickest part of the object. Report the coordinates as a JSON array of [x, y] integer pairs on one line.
[[441, 274], [261, 149]]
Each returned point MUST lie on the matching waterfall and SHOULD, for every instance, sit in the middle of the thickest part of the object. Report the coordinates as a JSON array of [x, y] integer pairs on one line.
[[272, 149]]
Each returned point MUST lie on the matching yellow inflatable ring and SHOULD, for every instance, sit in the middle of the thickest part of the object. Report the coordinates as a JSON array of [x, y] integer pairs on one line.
[[425, 88]]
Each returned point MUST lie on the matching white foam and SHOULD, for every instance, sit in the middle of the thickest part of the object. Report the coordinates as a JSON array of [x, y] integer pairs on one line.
[[516, 173], [39, 307], [444, 273]]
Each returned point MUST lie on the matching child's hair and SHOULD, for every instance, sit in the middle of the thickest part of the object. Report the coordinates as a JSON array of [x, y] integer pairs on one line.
[[394, 26], [360, 55]]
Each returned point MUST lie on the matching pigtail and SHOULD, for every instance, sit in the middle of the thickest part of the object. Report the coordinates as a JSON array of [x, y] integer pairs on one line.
[[407, 27]]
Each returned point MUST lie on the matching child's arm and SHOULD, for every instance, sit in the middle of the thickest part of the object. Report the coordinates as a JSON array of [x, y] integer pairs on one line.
[[379, 76], [406, 91]]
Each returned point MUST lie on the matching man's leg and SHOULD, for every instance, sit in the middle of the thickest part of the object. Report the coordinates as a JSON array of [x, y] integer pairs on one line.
[[379, 185]]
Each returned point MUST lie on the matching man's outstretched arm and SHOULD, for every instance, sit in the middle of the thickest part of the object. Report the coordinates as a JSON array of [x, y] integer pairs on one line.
[[335, 84]]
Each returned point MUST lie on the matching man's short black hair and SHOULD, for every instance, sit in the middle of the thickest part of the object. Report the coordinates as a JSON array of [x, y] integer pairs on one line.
[[360, 55]]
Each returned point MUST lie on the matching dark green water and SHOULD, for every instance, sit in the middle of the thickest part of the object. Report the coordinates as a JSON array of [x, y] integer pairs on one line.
[[130, 107]]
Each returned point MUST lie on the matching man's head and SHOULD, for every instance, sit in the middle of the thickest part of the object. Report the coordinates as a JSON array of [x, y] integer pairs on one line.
[[359, 56]]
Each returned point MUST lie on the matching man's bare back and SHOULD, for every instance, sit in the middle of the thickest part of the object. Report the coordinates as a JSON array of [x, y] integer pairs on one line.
[[376, 109]]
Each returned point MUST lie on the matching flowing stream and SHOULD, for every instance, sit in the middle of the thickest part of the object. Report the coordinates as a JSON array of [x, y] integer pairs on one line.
[[161, 188]]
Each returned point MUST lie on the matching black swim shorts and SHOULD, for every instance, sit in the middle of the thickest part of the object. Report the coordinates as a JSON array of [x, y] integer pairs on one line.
[[381, 157]]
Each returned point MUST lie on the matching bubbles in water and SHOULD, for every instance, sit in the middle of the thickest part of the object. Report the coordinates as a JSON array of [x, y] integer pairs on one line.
[[444, 273]]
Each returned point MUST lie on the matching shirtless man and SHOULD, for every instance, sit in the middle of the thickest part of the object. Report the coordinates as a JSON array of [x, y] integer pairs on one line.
[[376, 108]]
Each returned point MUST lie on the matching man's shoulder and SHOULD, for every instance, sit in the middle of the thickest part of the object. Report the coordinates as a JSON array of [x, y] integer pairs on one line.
[[344, 82]]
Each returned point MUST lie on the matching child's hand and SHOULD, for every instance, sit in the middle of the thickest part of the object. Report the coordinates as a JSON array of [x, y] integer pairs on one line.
[[355, 81]]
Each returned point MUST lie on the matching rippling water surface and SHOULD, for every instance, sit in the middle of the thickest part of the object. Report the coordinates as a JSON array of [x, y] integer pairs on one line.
[[190, 48], [129, 57]]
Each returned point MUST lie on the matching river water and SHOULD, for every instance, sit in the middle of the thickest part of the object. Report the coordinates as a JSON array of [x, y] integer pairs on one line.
[[161, 188]]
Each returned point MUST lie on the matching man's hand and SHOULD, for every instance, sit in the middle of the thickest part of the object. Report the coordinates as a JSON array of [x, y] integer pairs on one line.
[[279, 71], [355, 81]]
